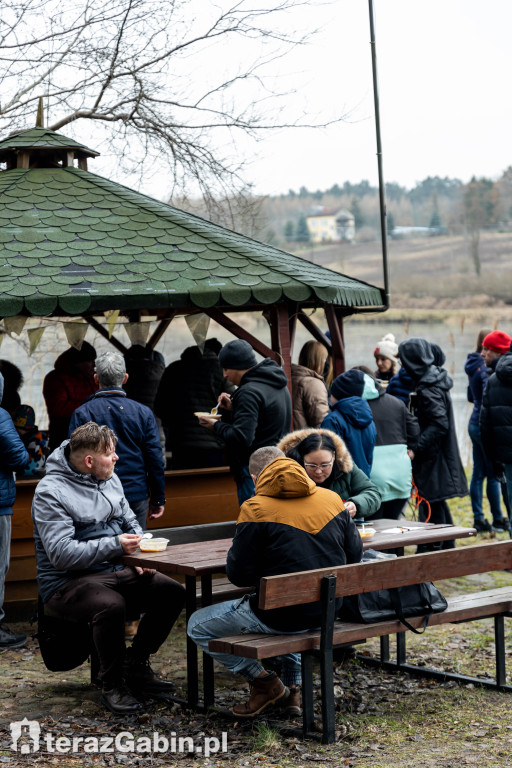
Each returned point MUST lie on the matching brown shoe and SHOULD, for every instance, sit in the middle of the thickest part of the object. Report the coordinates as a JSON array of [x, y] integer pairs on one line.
[[292, 705], [264, 691]]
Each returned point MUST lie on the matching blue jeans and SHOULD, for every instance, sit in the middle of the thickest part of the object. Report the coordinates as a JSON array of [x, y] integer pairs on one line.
[[482, 468], [5, 554], [236, 617], [244, 485]]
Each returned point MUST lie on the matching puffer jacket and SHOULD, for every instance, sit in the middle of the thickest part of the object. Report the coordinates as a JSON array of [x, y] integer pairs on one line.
[[401, 386], [140, 466], [260, 413], [437, 468], [476, 371], [13, 456], [309, 398], [496, 413], [352, 419], [77, 522], [347, 480], [290, 525], [397, 430]]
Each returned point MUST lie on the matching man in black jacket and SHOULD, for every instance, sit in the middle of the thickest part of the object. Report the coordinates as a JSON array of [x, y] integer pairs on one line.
[[257, 414], [496, 419]]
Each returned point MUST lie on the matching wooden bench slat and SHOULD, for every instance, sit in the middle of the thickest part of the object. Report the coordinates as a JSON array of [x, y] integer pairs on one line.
[[462, 607], [304, 587]]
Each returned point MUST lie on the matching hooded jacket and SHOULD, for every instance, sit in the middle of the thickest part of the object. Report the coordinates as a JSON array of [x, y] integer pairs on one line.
[[192, 383], [290, 525], [496, 413], [13, 456], [351, 418], [260, 413], [397, 430], [77, 521], [476, 371], [349, 482], [437, 468], [401, 386], [65, 389], [140, 466], [309, 398]]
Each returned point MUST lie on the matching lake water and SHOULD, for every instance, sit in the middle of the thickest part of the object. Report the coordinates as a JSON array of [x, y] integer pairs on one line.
[[455, 336]]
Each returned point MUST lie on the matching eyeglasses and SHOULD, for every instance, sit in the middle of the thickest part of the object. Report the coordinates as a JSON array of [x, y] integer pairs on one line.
[[325, 465]]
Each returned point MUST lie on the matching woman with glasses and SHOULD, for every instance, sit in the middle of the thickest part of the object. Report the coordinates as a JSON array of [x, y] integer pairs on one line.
[[327, 461]]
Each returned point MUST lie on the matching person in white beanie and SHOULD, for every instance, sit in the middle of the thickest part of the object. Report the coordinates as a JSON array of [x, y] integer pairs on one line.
[[386, 358]]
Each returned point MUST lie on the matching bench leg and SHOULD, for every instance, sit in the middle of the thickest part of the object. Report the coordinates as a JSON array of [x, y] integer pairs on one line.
[[384, 648], [499, 646], [400, 649], [308, 715]]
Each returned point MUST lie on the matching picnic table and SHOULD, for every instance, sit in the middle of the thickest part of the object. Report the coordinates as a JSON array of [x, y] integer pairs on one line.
[[200, 560]]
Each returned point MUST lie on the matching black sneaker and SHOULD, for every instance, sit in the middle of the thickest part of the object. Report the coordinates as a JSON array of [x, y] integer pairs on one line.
[[120, 700], [500, 525], [9, 639], [482, 526], [142, 681]]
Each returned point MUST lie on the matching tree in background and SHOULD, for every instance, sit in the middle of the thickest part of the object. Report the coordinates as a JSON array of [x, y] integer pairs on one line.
[[355, 210], [147, 72], [289, 231], [302, 231], [479, 213]]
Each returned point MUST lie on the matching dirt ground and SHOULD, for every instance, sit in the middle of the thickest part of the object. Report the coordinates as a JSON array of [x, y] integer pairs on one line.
[[383, 719]]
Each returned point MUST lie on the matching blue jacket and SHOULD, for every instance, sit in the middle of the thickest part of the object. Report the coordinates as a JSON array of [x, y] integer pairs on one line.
[[401, 386], [13, 455], [477, 379], [140, 467], [351, 418]]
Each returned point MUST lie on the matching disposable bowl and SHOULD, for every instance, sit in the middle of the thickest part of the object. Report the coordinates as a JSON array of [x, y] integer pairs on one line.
[[153, 545]]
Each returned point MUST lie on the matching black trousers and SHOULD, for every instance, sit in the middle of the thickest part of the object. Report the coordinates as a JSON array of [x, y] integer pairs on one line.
[[439, 514], [104, 600]]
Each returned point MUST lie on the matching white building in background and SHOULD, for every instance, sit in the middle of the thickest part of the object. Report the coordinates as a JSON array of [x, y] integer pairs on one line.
[[331, 226]]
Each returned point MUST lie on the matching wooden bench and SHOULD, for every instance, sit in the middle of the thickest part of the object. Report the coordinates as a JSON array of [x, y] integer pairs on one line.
[[326, 584]]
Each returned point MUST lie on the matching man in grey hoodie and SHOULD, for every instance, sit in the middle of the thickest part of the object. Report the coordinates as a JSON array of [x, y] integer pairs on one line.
[[83, 524]]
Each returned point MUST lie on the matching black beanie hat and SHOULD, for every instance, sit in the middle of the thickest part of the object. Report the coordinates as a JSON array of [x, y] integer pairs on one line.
[[237, 355], [348, 384]]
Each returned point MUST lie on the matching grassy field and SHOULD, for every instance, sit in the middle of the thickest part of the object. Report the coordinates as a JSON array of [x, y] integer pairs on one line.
[[428, 272]]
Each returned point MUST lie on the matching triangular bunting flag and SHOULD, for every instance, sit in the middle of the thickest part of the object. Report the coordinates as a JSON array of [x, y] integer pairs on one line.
[[15, 324], [138, 333], [34, 337], [75, 333], [112, 316], [198, 326]]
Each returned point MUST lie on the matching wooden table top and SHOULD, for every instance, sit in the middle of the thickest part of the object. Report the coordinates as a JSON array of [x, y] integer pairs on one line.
[[205, 557]]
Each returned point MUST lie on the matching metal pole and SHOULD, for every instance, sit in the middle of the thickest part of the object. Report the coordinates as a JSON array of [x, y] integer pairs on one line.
[[382, 193]]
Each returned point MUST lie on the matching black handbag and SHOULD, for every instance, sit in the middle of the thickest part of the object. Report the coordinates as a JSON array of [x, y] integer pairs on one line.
[[396, 603], [63, 644]]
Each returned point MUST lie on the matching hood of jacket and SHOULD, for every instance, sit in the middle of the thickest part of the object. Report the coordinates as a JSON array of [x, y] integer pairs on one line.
[[504, 369], [418, 357], [343, 457], [284, 478], [192, 355], [267, 372], [300, 372], [355, 411], [58, 464], [372, 389], [474, 362]]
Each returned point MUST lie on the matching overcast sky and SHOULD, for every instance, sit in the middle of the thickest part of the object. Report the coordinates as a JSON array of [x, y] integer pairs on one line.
[[444, 83]]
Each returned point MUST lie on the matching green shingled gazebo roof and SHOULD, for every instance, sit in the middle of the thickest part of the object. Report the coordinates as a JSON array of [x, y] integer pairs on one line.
[[74, 242]]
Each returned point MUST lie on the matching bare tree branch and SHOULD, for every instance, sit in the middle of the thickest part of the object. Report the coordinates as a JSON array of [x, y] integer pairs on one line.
[[166, 79]]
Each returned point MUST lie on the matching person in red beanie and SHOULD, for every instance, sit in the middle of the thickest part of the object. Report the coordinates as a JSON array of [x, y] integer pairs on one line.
[[494, 345]]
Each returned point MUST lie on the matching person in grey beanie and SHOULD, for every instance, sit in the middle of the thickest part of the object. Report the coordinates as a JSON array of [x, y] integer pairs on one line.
[[257, 414]]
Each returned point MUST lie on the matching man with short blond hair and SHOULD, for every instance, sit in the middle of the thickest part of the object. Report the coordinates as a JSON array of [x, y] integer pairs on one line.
[[83, 524]]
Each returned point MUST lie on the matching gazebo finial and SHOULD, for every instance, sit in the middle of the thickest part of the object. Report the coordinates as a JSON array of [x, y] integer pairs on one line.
[[40, 114]]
